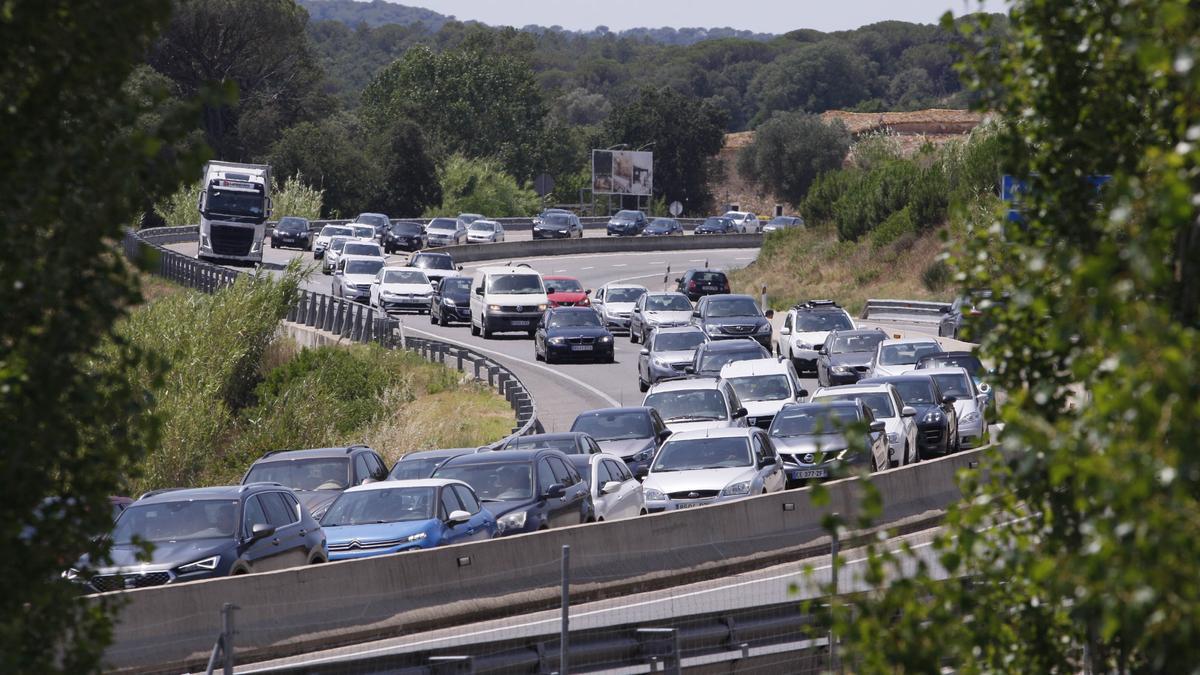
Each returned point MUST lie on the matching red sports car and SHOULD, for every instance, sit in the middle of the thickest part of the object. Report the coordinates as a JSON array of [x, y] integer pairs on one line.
[[566, 292]]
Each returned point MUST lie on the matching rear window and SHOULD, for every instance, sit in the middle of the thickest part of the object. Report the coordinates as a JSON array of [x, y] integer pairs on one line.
[[443, 224], [406, 228], [709, 277]]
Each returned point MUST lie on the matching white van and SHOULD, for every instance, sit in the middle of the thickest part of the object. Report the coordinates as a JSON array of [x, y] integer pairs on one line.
[[506, 299]]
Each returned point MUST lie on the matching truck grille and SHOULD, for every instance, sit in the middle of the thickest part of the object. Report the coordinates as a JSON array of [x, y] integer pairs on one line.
[[119, 582], [231, 239]]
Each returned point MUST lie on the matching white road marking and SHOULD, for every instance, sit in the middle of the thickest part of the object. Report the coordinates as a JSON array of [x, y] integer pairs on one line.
[[697, 260], [619, 265], [587, 268]]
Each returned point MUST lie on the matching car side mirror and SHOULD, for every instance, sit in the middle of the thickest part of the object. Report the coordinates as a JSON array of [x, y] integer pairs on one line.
[[588, 292], [664, 435], [479, 290], [948, 399], [766, 461], [878, 426], [679, 280], [644, 352], [610, 487], [690, 370], [549, 290], [368, 480], [261, 531], [457, 517], [459, 268], [337, 273], [823, 352], [638, 310], [783, 332], [740, 413], [802, 393], [556, 490], [642, 472], [695, 315], [908, 411], [770, 314]]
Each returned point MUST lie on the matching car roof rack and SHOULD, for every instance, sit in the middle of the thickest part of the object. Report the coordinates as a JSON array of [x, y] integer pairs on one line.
[[155, 493], [813, 304], [354, 446], [246, 486]]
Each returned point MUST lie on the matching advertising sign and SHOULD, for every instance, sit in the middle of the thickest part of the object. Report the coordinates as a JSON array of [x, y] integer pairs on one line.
[[622, 172]]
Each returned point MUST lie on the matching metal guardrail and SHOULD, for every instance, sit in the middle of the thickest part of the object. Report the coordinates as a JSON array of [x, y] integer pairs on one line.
[[349, 320], [909, 311]]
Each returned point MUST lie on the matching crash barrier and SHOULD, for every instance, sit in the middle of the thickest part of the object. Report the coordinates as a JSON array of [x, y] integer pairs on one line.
[[299, 610], [335, 316], [908, 311], [515, 223], [515, 250]]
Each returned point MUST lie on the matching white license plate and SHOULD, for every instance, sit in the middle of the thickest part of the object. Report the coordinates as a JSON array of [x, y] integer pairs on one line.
[[809, 473], [520, 323], [581, 348], [708, 288], [688, 505]]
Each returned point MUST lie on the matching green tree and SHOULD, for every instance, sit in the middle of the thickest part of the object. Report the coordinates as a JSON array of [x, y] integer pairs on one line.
[[80, 156], [479, 99], [814, 78], [481, 186], [684, 134], [409, 177], [1080, 545], [790, 150], [332, 155]]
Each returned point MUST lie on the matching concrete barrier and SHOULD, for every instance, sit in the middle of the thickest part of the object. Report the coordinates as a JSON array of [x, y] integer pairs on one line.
[[168, 628], [515, 250]]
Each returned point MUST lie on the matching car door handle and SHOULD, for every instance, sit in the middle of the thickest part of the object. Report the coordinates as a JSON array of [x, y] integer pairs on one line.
[[303, 532], [275, 542]]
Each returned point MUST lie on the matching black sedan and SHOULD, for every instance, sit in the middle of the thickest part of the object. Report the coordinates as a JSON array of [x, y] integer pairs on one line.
[[661, 227], [451, 301], [572, 332], [403, 236], [292, 231], [716, 226]]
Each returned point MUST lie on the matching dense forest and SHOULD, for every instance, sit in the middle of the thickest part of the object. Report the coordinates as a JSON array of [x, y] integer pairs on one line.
[[369, 101]]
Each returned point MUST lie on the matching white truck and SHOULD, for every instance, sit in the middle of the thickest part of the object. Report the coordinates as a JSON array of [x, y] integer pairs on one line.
[[234, 202]]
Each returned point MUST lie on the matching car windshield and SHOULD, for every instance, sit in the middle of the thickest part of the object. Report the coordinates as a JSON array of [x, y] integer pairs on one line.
[[395, 505], [780, 220], [338, 244], [432, 262], [880, 403], [703, 453], [363, 266], [565, 285], [324, 473], [557, 219], [493, 481], [415, 469], [292, 224], [177, 521], [915, 392], [678, 342], [516, 284], [404, 277], [482, 226], [624, 294], [955, 384], [717, 222], [235, 203], [336, 231], [663, 222], [668, 303], [810, 421], [906, 353], [469, 218], [626, 215], [734, 215], [714, 361], [970, 363], [695, 405], [852, 344], [456, 286], [407, 229], [762, 388], [443, 224], [566, 444], [585, 319], [817, 322], [361, 249], [733, 307], [614, 426], [364, 231]]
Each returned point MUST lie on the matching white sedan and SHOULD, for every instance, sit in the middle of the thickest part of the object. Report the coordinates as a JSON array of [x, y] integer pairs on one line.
[[885, 404], [616, 493]]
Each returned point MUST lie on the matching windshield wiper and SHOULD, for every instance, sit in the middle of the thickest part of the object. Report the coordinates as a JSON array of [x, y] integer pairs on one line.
[[693, 418], [491, 500]]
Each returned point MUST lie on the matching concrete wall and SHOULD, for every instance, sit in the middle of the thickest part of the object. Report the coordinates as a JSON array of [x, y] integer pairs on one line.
[[172, 627]]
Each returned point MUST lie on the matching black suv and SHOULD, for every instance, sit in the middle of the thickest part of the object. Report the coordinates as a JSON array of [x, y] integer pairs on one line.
[[203, 533], [726, 317], [628, 223], [292, 231], [696, 284], [403, 236], [713, 355], [319, 475], [527, 490]]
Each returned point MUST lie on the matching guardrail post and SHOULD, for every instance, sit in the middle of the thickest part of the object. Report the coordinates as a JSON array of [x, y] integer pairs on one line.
[[502, 383], [356, 328], [461, 355], [493, 371], [451, 665], [652, 640]]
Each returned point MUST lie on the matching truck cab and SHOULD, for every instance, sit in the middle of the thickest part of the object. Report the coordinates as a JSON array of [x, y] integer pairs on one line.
[[234, 204]]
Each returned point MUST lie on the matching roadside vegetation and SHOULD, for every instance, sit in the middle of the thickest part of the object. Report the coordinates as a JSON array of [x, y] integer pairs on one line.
[[294, 197], [227, 388]]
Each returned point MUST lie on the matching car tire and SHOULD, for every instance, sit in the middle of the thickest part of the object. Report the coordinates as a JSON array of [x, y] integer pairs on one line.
[[874, 466], [633, 338], [433, 318], [474, 329], [642, 386], [487, 333], [547, 358]]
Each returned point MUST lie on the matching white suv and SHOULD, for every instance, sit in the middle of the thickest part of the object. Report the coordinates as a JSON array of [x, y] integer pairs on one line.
[[885, 404], [764, 386], [698, 403], [805, 328]]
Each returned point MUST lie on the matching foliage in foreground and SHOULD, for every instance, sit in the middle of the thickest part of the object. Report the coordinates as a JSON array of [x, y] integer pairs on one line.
[[1081, 545]]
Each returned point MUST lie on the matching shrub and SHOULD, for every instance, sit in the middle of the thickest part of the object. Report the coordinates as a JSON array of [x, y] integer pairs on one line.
[[294, 198], [936, 276], [481, 186], [826, 190], [181, 207], [897, 224]]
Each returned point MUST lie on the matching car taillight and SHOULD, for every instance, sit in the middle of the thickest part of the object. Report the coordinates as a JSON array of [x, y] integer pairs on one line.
[[691, 285], [726, 286]]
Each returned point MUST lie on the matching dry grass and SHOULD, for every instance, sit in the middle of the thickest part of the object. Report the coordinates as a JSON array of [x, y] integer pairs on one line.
[[155, 287], [469, 416], [808, 264]]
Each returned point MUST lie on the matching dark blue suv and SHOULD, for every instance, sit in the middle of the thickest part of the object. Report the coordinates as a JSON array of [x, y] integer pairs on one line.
[[527, 490], [203, 533]]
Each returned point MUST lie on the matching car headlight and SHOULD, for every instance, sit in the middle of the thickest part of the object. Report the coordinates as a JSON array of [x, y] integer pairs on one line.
[[972, 416], [605, 338], [562, 231], [764, 328], [644, 455], [512, 521], [206, 565], [712, 330], [841, 369], [449, 303], [493, 308], [733, 489], [932, 416], [71, 574], [416, 537], [803, 345], [893, 437], [653, 495], [556, 341], [661, 363], [542, 307]]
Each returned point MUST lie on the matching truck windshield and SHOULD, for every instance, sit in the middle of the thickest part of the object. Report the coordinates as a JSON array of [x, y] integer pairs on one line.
[[235, 203]]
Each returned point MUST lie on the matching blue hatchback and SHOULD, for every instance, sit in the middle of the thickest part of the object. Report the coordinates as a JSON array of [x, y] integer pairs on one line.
[[404, 515]]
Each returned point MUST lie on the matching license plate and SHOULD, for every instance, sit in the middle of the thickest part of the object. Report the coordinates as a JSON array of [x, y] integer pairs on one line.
[[797, 474], [708, 288], [520, 323], [688, 505], [581, 348]]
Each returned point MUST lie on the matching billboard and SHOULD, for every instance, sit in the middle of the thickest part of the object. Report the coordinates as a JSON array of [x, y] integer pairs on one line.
[[622, 172]]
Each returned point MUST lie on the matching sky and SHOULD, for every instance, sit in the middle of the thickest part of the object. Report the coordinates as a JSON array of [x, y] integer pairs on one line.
[[761, 16]]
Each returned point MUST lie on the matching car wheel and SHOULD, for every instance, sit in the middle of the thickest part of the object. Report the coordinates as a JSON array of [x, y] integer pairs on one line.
[[433, 318], [487, 332], [547, 358], [474, 329], [642, 386], [874, 467], [632, 336]]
